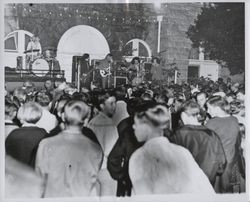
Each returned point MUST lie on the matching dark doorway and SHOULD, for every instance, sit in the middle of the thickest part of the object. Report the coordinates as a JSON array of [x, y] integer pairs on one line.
[[193, 73]]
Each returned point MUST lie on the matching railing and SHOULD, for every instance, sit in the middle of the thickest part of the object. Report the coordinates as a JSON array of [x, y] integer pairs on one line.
[[37, 72]]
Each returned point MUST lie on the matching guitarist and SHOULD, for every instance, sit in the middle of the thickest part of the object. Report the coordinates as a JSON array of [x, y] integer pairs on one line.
[[85, 71], [105, 67]]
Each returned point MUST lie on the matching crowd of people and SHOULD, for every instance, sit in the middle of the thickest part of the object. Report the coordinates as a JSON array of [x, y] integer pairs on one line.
[[144, 139]]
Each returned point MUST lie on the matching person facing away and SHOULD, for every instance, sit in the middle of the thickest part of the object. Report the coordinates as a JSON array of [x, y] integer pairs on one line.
[[48, 120], [22, 143], [160, 167], [69, 161], [10, 114], [227, 128], [124, 147], [106, 132], [203, 143]]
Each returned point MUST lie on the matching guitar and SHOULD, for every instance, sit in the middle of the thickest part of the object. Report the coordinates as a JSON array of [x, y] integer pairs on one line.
[[105, 72]]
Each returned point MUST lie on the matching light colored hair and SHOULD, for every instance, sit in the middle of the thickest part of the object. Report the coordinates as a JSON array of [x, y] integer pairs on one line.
[[30, 112], [75, 112], [158, 116]]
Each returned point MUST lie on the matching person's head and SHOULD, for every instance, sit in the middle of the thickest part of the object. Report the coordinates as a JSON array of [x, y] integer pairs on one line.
[[135, 60], [29, 112], [10, 110], [235, 87], [161, 98], [43, 99], [109, 57], [150, 120], [190, 112], [28, 83], [85, 56], [33, 38], [218, 106], [20, 95], [201, 98], [146, 96], [60, 108], [75, 113], [120, 93], [132, 105], [48, 84], [155, 60], [106, 103]]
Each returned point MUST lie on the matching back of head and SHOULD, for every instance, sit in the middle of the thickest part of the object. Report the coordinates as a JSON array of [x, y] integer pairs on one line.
[[155, 114], [43, 99], [10, 110], [75, 112], [191, 108], [29, 112], [218, 101]]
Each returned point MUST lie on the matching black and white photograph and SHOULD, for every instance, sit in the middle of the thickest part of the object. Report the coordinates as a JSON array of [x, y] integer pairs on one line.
[[124, 100]]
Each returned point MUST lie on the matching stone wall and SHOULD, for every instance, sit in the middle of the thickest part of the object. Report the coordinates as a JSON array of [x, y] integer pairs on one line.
[[118, 23]]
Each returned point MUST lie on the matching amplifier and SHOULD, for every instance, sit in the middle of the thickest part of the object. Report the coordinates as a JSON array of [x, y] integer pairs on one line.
[[120, 80]]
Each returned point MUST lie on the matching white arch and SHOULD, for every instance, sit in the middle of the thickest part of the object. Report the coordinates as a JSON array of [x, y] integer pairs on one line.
[[10, 55], [135, 46], [77, 41]]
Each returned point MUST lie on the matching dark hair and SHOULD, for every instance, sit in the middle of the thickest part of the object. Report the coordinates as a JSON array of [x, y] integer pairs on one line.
[[43, 99], [134, 59], [132, 105], [219, 102], [10, 108], [157, 60], [190, 107], [102, 97], [200, 93], [85, 56]]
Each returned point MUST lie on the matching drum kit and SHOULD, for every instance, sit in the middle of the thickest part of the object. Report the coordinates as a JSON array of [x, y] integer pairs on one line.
[[41, 64]]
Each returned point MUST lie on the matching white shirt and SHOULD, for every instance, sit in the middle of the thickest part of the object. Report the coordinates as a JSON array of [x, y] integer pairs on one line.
[[48, 121]]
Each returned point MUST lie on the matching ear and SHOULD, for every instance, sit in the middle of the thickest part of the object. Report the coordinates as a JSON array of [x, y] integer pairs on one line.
[[184, 117], [102, 106], [63, 117]]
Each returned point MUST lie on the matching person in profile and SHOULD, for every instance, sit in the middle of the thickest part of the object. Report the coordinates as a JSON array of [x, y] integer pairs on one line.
[[160, 167]]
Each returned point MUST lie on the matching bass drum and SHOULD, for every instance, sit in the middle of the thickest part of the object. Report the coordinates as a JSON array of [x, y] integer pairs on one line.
[[40, 67]]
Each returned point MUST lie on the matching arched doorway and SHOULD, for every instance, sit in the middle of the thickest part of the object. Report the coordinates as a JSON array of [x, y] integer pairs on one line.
[[79, 40], [137, 48], [15, 44]]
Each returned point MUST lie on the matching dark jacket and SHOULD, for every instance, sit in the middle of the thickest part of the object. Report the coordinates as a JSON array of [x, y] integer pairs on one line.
[[22, 143], [205, 146], [119, 156]]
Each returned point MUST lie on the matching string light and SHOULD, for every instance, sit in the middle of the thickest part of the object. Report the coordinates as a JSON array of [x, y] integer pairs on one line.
[[150, 19]]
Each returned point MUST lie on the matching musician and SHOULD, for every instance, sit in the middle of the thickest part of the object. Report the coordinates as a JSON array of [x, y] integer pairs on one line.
[[136, 71], [156, 70], [85, 71], [34, 49], [54, 66], [105, 67]]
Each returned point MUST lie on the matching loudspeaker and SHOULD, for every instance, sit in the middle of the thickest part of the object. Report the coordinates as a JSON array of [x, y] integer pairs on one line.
[[120, 80]]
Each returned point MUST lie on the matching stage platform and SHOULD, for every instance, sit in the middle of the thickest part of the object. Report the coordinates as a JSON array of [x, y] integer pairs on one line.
[[14, 78]]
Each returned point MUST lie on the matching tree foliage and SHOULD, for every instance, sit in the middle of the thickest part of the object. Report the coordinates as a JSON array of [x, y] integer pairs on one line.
[[219, 29]]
